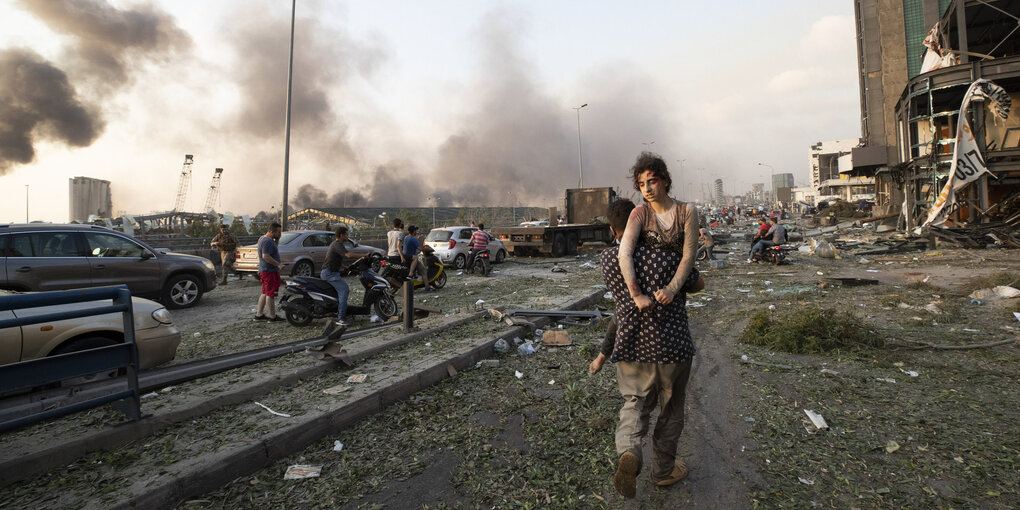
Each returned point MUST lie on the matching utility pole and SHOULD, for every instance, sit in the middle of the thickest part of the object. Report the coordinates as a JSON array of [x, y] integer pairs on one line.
[[290, 86], [580, 174], [26, 203]]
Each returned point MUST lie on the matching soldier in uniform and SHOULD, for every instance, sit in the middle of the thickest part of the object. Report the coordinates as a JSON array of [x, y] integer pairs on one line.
[[226, 243]]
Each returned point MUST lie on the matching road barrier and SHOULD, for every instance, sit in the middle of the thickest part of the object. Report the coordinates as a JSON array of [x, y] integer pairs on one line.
[[27, 375]]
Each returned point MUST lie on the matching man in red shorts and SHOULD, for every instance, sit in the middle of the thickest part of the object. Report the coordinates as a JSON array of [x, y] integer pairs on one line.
[[269, 274]]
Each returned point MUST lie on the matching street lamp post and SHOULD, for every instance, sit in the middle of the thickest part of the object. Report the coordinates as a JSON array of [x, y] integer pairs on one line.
[[580, 174], [290, 86], [772, 177], [26, 203]]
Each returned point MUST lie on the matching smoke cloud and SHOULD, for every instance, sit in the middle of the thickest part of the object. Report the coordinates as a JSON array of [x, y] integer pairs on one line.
[[37, 102], [42, 100], [325, 61], [517, 143], [110, 44]]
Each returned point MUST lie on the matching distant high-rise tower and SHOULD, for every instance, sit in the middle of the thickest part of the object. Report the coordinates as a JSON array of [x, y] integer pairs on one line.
[[89, 196], [718, 190]]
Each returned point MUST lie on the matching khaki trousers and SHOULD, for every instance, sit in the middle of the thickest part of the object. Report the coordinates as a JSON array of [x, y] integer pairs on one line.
[[643, 385], [227, 263]]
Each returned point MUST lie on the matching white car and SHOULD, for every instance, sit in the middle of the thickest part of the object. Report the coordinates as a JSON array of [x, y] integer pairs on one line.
[[451, 245], [155, 334]]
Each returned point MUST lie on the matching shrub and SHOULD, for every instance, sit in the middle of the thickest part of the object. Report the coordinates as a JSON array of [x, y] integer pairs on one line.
[[808, 329]]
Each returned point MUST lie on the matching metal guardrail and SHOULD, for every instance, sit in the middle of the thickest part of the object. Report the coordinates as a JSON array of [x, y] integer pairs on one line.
[[18, 377]]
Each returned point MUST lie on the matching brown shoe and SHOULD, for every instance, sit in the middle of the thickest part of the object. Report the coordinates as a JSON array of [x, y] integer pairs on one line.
[[625, 479], [679, 473]]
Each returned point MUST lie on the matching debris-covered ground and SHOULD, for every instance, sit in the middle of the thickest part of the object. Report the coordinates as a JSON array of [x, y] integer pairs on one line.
[[908, 425], [908, 354]]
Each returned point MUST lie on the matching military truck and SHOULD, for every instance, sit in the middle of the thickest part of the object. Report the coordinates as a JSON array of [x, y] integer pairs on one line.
[[585, 222]]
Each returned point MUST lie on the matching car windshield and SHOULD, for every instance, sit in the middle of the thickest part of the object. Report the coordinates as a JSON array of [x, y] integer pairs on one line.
[[439, 236], [288, 237]]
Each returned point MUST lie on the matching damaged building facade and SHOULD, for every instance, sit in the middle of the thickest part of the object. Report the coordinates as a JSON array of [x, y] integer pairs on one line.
[[917, 60], [837, 173]]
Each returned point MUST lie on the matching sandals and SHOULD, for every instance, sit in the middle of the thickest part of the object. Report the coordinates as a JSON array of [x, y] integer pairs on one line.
[[679, 473]]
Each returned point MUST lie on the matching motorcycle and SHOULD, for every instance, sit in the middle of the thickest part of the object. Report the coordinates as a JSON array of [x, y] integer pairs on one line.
[[774, 255], [314, 298], [396, 273], [481, 263]]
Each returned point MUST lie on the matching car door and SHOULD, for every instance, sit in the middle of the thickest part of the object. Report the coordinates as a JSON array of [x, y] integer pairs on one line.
[[317, 245], [46, 260], [115, 259], [10, 341], [463, 240]]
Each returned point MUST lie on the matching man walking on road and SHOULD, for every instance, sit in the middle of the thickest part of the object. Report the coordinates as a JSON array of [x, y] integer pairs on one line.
[[269, 273], [653, 353], [226, 243]]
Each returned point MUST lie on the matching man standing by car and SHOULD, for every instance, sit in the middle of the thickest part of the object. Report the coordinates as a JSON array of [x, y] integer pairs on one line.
[[393, 239], [479, 242], [226, 243], [269, 273]]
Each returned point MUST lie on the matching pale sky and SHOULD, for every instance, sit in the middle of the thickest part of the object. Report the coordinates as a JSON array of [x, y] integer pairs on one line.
[[469, 101]]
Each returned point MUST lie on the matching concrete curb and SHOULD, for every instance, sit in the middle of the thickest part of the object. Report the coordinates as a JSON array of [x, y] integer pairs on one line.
[[62, 454], [227, 466]]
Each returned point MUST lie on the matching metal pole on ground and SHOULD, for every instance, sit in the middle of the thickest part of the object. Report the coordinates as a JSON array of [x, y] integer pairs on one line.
[[409, 305]]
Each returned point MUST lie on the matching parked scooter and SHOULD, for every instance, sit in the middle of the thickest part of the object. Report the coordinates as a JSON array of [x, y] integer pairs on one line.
[[313, 298], [480, 263], [396, 273]]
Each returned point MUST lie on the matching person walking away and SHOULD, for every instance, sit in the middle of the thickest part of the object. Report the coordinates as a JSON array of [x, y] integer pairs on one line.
[[410, 253], [479, 242], [775, 236], [336, 256], [269, 273], [226, 243], [653, 352], [705, 237], [393, 240]]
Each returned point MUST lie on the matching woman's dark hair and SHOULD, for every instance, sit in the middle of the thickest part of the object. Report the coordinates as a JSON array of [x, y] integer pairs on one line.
[[649, 161], [398, 223]]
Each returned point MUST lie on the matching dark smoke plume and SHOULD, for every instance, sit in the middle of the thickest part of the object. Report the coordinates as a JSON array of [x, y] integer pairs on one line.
[[38, 103], [109, 43], [40, 100], [325, 61]]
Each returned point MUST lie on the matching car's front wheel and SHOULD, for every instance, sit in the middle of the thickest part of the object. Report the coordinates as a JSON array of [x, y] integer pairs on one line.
[[182, 291], [303, 268], [84, 344]]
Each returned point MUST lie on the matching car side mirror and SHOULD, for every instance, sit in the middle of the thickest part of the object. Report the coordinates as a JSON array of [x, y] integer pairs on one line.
[[146, 255]]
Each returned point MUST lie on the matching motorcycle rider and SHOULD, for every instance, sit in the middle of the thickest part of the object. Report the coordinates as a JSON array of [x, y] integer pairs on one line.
[[479, 242], [335, 255], [411, 248], [707, 242], [778, 234]]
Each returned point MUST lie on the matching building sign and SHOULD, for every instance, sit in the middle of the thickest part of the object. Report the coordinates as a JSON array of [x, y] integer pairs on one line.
[[968, 163]]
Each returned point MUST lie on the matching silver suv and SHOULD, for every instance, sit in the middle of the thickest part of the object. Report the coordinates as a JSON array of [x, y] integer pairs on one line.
[[42, 256]]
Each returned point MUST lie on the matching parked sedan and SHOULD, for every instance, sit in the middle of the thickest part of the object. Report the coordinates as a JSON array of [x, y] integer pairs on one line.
[[302, 252], [451, 245], [44, 256], [155, 334]]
